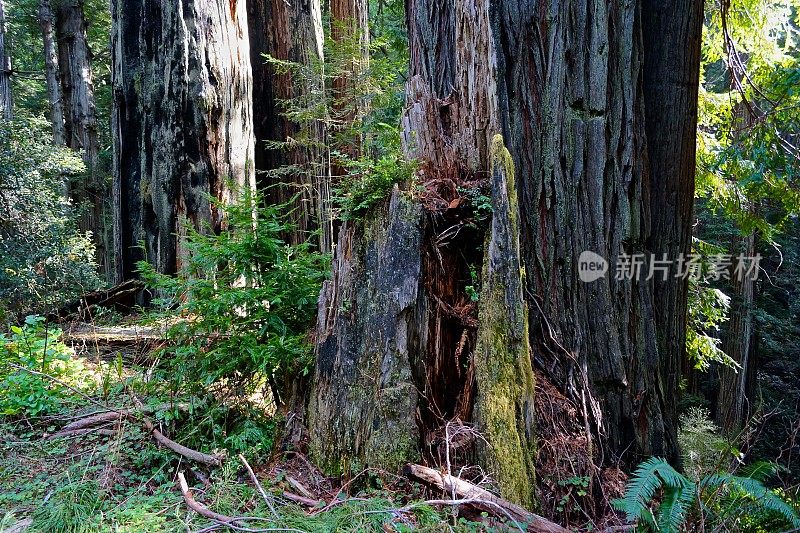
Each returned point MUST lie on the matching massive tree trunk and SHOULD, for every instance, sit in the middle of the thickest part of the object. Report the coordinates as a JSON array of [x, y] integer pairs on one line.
[[183, 123], [573, 113], [562, 82], [672, 35], [733, 403], [296, 170], [404, 356], [77, 88], [6, 104], [52, 73]]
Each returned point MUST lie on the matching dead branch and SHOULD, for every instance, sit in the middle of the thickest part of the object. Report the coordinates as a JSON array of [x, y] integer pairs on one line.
[[84, 431], [112, 416], [194, 455], [308, 502], [299, 487], [197, 507], [483, 499]]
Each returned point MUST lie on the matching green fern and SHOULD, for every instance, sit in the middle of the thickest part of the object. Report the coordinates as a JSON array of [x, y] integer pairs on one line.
[[739, 488], [721, 496], [651, 476]]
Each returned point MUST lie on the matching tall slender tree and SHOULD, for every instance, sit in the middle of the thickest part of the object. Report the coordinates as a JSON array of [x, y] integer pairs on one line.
[[75, 67], [182, 122], [80, 123], [52, 73], [6, 103]]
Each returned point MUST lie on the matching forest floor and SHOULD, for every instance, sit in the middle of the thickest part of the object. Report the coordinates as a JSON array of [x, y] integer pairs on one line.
[[112, 475]]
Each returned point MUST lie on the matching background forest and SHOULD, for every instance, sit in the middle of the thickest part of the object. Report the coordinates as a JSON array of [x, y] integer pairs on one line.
[[273, 265]]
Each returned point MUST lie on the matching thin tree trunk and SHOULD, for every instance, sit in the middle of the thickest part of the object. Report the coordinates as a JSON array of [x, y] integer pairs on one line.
[[349, 31], [291, 32], [182, 121], [6, 103], [733, 402], [52, 71]]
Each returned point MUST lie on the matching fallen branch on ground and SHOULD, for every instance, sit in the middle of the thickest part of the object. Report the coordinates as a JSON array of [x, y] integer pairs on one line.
[[308, 502], [481, 498], [264, 495], [194, 455], [199, 508], [111, 416]]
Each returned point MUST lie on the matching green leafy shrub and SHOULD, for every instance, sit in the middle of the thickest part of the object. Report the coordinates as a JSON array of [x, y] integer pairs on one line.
[[35, 347], [700, 443], [369, 182], [45, 260], [248, 301], [659, 498]]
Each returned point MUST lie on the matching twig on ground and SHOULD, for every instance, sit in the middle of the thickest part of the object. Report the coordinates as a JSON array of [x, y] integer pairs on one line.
[[197, 507], [264, 495]]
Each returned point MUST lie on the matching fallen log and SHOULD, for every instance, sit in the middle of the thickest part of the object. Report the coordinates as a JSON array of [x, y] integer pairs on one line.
[[308, 502], [483, 499], [121, 297]]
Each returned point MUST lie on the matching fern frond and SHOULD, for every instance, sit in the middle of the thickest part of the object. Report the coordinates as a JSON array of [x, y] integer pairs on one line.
[[739, 487], [648, 478], [674, 507]]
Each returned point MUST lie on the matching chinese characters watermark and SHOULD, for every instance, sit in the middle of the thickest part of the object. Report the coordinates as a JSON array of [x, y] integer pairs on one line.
[[640, 266]]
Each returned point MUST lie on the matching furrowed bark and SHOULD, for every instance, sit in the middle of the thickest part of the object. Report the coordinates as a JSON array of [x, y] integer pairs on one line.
[[75, 64], [672, 36], [80, 122], [733, 401], [6, 104], [349, 26], [573, 116], [183, 123], [290, 32], [46, 19]]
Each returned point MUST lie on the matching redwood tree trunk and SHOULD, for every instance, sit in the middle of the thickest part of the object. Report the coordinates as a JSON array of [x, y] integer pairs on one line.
[[290, 32], [350, 32], [74, 60], [672, 34], [6, 104], [573, 113], [52, 73], [183, 124], [562, 82], [733, 399], [77, 88]]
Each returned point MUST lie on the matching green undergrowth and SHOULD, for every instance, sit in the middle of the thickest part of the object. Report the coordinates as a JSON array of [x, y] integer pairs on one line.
[[127, 484]]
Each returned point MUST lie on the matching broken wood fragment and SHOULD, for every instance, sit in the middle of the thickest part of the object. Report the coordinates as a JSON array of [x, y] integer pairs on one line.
[[483, 499]]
